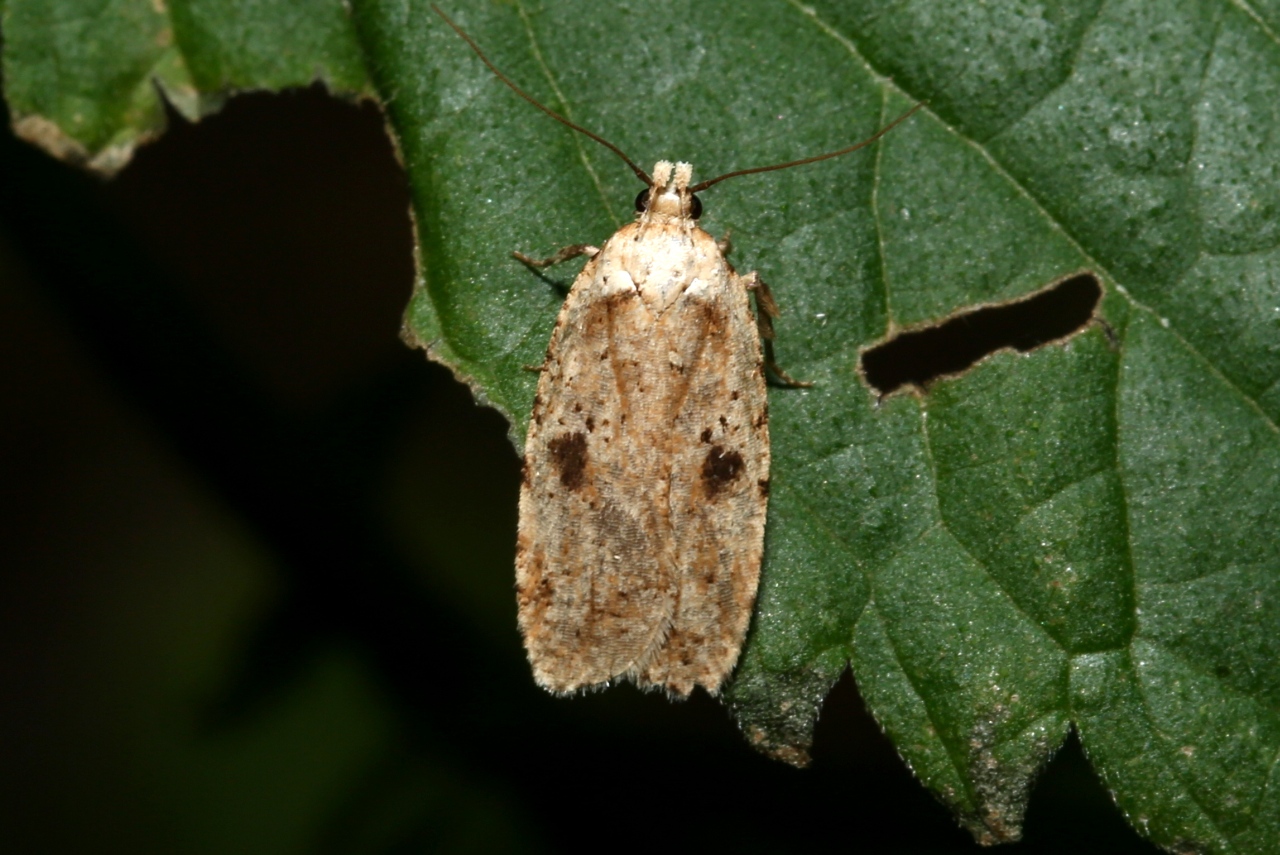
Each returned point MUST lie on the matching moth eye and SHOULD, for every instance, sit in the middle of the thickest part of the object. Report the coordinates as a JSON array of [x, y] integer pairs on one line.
[[642, 200], [695, 207]]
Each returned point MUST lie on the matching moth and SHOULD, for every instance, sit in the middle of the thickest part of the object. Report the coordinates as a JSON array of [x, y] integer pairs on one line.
[[646, 467]]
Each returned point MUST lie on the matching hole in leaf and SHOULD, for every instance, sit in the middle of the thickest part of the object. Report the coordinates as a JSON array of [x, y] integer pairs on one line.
[[918, 357]]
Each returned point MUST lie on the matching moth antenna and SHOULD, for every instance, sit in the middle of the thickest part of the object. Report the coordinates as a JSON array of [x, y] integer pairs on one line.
[[640, 173], [698, 188]]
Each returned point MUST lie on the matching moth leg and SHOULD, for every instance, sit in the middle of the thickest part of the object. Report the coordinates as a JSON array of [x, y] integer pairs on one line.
[[563, 255], [1113, 338], [725, 245], [787, 380], [766, 310]]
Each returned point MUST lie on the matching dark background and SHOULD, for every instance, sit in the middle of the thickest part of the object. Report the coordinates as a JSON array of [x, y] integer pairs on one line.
[[256, 554]]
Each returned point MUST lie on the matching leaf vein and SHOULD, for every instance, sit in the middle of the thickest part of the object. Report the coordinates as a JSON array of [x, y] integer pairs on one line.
[[1167, 742], [1257, 19], [564, 106]]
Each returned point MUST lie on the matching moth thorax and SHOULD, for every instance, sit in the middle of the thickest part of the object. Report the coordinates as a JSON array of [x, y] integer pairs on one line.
[[669, 196]]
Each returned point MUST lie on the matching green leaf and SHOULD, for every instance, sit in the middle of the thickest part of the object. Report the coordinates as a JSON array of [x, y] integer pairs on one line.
[[1077, 535], [1083, 535], [87, 79]]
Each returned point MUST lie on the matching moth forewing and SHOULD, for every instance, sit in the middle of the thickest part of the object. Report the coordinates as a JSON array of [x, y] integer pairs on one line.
[[718, 447], [647, 464]]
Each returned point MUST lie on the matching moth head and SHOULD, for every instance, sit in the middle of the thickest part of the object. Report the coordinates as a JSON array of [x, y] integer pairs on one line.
[[668, 196]]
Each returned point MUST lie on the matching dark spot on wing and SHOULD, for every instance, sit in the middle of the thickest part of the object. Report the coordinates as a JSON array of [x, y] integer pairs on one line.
[[569, 454], [720, 469], [713, 320]]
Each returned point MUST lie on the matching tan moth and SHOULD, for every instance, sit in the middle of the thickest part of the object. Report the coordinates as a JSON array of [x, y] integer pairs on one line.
[[646, 468]]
